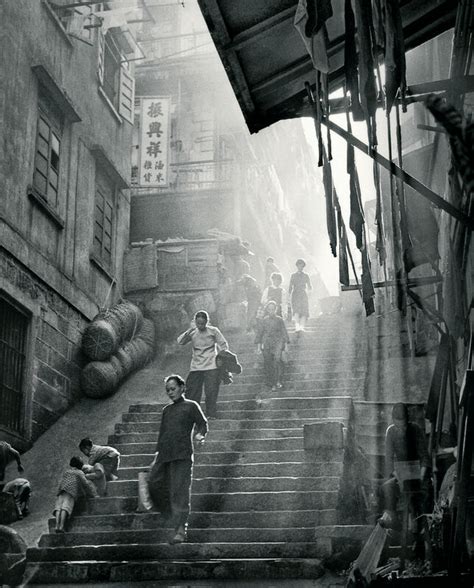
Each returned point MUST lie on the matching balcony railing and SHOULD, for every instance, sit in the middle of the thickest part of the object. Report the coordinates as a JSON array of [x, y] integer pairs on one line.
[[193, 176]]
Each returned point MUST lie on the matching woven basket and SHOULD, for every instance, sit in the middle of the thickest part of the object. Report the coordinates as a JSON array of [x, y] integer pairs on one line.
[[141, 352], [129, 317], [147, 332], [125, 359], [100, 340], [100, 379]]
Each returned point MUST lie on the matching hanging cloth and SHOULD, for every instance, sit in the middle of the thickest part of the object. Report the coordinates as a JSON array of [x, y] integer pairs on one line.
[[330, 194], [343, 261], [309, 20], [351, 61], [380, 238], [395, 64], [356, 219], [368, 89], [368, 291]]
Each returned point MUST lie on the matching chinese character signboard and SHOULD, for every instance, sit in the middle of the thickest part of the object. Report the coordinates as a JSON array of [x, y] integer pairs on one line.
[[154, 142]]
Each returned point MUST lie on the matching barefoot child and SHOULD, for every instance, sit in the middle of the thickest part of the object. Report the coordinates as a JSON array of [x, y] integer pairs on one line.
[[72, 486], [107, 456]]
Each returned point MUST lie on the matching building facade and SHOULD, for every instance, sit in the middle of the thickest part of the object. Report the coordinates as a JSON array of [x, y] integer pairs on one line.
[[64, 207]]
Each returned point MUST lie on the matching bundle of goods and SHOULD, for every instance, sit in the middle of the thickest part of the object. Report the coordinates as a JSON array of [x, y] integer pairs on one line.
[[110, 328], [119, 340]]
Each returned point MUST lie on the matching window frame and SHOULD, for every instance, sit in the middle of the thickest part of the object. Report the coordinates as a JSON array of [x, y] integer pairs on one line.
[[55, 126], [105, 189]]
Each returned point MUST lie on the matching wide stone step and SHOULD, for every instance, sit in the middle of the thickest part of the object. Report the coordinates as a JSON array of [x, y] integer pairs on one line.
[[162, 535], [285, 469], [222, 424], [329, 380], [280, 402], [238, 501], [164, 551], [261, 413], [223, 485], [203, 520], [219, 435], [244, 457], [233, 445], [64, 572], [295, 367], [262, 393]]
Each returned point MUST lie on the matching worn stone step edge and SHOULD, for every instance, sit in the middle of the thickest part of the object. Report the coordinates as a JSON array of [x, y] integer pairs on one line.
[[253, 519], [195, 535], [165, 551], [100, 571]]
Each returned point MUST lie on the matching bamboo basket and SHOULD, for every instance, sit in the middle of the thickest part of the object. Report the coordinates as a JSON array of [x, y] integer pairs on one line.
[[100, 379], [99, 340]]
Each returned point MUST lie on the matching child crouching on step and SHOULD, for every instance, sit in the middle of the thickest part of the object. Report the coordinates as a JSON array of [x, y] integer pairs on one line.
[[72, 486], [107, 456]]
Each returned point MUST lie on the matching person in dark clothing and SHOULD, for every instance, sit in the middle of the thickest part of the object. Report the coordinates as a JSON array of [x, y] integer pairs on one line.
[[271, 339], [300, 284], [404, 441], [171, 474], [253, 295], [276, 293]]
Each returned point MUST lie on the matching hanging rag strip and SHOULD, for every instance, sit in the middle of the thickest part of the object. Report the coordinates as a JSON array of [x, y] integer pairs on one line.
[[367, 85], [380, 239], [331, 196], [368, 291], [351, 61], [343, 245], [394, 53]]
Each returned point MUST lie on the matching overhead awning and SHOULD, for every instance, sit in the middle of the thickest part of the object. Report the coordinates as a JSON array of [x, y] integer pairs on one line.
[[267, 62]]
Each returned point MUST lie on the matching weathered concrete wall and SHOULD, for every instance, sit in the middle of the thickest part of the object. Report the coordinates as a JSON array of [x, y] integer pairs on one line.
[[45, 264]]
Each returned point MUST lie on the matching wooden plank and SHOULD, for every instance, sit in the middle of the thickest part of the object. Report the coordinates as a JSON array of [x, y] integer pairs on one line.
[[251, 34]]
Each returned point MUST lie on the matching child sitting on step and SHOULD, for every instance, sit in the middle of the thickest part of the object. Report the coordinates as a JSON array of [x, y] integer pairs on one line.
[[72, 486], [107, 456]]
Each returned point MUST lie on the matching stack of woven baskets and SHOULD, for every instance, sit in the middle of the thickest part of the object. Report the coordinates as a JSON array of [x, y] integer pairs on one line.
[[118, 341]]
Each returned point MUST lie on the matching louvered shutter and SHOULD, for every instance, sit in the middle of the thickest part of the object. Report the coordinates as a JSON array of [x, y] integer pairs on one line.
[[126, 95]]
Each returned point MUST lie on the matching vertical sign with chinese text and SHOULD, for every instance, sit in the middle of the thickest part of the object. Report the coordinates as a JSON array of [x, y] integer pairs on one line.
[[154, 142]]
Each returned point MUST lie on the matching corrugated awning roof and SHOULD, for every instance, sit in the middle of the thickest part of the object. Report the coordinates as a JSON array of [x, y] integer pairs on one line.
[[267, 62]]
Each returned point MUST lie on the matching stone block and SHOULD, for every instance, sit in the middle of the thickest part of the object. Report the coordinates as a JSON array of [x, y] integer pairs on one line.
[[328, 434]]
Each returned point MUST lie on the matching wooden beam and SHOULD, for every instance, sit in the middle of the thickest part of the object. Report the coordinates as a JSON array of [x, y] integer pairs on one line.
[[220, 35], [250, 35], [402, 175]]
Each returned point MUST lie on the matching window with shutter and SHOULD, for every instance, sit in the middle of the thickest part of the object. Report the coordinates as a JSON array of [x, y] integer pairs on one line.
[[127, 95], [115, 79], [46, 173], [104, 228]]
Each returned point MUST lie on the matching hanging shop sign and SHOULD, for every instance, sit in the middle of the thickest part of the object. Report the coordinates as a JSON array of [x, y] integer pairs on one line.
[[154, 142]]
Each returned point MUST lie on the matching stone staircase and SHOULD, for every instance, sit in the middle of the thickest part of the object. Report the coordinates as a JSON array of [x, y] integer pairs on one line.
[[262, 505]]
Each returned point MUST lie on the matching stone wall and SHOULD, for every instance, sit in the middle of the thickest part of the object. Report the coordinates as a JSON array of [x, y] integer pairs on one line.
[[53, 359], [47, 266]]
